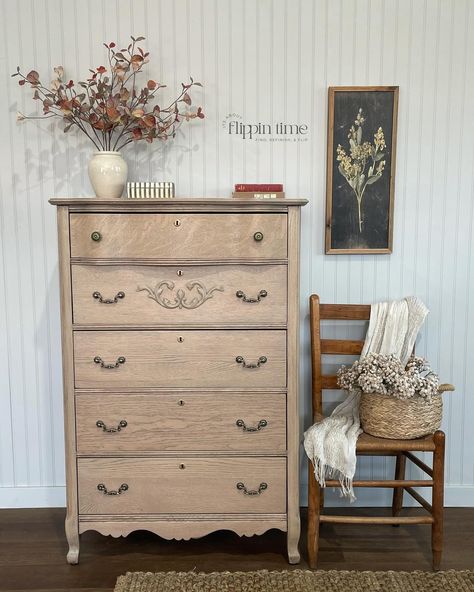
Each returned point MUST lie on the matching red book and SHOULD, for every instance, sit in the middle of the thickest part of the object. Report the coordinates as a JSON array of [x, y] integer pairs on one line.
[[259, 187]]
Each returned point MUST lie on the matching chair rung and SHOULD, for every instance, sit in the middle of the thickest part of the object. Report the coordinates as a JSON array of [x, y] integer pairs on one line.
[[421, 500], [419, 463], [388, 484], [376, 519]]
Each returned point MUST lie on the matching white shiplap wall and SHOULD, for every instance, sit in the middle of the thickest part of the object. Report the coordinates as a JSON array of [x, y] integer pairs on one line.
[[268, 61]]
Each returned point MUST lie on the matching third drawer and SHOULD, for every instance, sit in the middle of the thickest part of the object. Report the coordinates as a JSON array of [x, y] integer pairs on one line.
[[174, 359], [108, 423]]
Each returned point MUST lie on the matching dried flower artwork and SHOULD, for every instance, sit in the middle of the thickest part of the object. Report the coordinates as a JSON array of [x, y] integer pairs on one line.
[[353, 166]]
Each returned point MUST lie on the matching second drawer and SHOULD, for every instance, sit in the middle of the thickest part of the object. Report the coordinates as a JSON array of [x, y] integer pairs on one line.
[[180, 422], [179, 295]]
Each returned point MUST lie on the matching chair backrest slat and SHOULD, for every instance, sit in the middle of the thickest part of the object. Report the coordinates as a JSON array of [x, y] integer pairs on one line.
[[329, 382], [337, 312], [341, 312], [342, 346]]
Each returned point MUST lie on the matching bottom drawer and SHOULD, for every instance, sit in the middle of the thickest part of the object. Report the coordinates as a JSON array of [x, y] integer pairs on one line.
[[182, 485]]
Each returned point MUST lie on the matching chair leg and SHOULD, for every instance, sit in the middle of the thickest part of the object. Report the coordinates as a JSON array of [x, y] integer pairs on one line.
[[314, 512], [397, 503], [438, 499]]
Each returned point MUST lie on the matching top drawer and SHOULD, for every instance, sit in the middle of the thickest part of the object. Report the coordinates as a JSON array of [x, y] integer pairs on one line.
[[179, 236]]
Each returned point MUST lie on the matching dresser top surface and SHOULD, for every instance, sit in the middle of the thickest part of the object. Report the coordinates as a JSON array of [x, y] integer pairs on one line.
[[172, 204]]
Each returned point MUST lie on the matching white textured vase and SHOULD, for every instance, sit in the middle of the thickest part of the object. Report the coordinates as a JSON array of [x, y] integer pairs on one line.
[[108, 174]]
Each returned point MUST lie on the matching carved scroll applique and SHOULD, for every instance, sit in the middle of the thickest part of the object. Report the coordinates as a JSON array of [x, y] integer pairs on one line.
[[194, 296]]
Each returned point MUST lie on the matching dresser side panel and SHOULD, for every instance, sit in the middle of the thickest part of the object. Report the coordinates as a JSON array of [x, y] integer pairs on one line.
[[71, 524], [293, 384]]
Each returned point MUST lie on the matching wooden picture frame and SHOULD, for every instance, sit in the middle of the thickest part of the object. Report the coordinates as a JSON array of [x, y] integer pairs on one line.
[[360, 176]]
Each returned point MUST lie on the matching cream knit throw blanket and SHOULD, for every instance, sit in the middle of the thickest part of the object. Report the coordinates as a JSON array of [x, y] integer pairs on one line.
[[331, 443]]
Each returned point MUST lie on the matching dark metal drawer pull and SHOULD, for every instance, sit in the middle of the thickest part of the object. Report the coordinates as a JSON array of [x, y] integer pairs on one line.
[[261, 295], [258, 236], [122, 424], [241, 487], [114, 300], [105, 491], [261, 360], [261, 424], [99, 360]]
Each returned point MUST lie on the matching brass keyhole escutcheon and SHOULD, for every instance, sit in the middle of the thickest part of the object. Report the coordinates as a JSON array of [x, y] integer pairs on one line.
[[180, 339], [177, 222], [182, 466], [181, 402], [179, 272]]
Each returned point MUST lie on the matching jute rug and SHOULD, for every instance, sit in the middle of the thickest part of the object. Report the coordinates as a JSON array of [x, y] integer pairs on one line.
[[298, 581]]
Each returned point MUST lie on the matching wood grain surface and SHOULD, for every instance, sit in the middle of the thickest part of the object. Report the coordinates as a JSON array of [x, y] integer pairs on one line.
[[201, 359], [182, 485], [180, 295], [191, 421], [165, 236]]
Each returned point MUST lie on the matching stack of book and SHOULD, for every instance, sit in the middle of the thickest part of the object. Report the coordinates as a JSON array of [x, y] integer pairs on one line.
[[258, 191], [149, 190]]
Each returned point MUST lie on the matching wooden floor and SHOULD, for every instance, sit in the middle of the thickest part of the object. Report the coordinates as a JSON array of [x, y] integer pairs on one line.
[[33, 551]]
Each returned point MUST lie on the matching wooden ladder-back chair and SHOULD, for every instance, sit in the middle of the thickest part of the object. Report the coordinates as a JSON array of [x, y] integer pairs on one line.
[[371, 446]]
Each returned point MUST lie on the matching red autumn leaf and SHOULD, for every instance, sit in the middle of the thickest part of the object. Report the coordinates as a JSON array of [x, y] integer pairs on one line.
[[101, 70], [136, 61], [111, 44], [136, 133], [33, 77], [70, 84], [149, 120], [151, 84], [200, 114], [22, 82], [113, 114], [99, 124]]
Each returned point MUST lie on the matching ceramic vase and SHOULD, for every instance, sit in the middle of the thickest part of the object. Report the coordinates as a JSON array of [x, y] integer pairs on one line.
[[108, 174]]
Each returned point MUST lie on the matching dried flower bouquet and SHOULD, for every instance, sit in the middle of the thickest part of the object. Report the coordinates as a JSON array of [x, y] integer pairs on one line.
[[385, 375]]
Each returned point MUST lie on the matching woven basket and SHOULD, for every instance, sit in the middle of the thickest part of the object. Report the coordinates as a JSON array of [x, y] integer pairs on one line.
[[388, 417]]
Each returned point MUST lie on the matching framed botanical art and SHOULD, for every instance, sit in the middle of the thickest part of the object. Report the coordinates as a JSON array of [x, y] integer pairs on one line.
[[362, 138]]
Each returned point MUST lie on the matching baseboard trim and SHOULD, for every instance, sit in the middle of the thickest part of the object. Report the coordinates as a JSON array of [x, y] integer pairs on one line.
[[32, 497], [458, 496]]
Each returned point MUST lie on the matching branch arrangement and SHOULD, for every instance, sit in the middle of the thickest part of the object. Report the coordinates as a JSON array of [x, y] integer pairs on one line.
[[108, 107]]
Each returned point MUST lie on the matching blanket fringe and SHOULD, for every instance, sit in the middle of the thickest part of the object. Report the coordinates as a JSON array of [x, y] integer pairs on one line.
[[322, 472]]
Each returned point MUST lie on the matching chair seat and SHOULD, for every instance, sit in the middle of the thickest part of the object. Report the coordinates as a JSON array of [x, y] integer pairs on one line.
[[368, 443]]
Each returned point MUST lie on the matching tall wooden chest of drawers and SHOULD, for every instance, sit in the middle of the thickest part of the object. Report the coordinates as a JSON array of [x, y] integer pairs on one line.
[[180, 365]]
